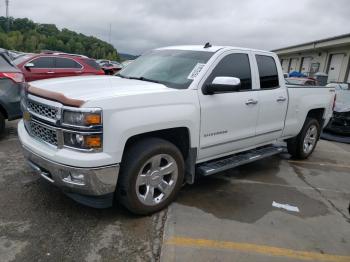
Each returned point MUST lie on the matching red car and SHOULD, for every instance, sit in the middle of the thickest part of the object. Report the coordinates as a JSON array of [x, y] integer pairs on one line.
[[50, 64]]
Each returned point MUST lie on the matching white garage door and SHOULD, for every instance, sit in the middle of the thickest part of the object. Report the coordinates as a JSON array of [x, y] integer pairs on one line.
[[293, 65], [285, 64], [335, 67], [305, 67]]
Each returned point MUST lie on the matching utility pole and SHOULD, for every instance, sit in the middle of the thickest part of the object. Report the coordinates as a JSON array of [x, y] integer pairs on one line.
[[110, 32], [7, 14]]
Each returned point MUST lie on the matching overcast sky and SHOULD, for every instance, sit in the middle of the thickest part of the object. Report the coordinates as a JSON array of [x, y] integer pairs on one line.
[[141, 25]]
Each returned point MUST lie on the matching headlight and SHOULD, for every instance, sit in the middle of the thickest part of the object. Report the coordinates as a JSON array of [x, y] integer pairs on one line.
[[83, 141], [83, 119]]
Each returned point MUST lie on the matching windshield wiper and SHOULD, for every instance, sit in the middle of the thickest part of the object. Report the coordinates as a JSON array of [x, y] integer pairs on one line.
[[122, 76], [143, 79], [138, 78]]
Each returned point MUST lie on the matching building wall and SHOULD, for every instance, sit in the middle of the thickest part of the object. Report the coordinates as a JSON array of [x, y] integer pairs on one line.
[[322, 56]]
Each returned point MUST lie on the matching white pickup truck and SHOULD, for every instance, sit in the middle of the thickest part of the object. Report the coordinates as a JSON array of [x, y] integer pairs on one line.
[[172, 115]]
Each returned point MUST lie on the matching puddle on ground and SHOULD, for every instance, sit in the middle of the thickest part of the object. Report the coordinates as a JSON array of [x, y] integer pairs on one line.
[[265, 171], [248, 202]]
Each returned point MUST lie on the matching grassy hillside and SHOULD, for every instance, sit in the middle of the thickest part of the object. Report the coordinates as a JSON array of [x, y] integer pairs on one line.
[[27, 36], [124, 57]]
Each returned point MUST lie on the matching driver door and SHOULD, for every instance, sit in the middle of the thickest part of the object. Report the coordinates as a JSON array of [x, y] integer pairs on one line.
[[228, 120]]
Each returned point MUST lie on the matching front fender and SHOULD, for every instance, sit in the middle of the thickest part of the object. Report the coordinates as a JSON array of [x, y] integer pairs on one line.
[[128, 123]]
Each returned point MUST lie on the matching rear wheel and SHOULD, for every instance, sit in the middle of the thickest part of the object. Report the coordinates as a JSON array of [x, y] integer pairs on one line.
[[2, 124], [152, 173], [302, 146]]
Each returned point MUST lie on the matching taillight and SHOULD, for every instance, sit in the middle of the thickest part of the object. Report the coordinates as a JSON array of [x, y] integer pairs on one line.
[[15, 77], [335, 99]]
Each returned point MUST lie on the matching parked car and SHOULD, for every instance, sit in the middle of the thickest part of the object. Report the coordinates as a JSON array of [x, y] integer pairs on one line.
[[102, 61], [111, 67], [172, 115], [11, 84], [340, 121], [50, 65], [303, 81]]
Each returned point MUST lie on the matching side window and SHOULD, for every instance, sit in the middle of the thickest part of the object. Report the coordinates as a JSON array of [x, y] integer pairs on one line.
[[43, 62], [267, 72], [234, 65], [66, 63]]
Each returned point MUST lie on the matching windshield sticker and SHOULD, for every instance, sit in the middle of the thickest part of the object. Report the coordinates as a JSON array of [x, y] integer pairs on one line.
[[196, 70]]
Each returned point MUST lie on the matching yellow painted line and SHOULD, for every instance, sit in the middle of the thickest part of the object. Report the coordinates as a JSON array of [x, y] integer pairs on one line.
[[253, 248], [318, 163]]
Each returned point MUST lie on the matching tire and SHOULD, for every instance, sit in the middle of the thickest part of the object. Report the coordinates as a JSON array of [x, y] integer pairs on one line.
[[2, 124], [150, 163], [310, 131]]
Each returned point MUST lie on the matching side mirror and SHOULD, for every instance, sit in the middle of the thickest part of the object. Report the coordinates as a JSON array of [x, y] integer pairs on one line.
[[28, 65], [222, 84]]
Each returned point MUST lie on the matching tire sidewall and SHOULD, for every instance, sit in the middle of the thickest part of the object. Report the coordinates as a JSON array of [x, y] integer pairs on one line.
[[132, 169], [309, 123]]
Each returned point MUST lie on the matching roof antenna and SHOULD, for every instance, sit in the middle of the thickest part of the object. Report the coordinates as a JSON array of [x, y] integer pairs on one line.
[[207, 45]]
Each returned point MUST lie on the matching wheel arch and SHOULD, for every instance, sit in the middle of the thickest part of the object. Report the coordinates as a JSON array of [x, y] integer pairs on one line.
[[3, 111], [180, 137], [318, 114]]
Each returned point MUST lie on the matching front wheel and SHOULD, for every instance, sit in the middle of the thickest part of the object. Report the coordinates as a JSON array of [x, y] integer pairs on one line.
[[151, 176], [302, 146]]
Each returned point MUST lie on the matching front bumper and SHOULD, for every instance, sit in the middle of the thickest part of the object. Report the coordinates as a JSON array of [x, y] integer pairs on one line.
[[82, 184]]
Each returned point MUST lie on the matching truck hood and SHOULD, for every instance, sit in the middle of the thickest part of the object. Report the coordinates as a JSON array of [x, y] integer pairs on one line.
[[88, 88]]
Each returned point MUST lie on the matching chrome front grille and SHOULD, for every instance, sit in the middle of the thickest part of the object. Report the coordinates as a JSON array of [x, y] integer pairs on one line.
[[42, 110], [43, 132]]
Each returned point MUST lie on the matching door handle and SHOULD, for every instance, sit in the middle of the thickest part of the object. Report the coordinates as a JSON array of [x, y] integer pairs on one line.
[[281, 99], [50, 72], [251, 102]]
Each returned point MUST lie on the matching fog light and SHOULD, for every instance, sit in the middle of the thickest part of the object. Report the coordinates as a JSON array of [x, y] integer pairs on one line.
[[75, 179]]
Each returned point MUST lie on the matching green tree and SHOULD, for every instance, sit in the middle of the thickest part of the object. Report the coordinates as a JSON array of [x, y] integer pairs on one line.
[[25, 35]]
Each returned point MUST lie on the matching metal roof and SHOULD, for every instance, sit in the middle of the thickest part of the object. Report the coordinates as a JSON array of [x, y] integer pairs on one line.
[[314, 42]]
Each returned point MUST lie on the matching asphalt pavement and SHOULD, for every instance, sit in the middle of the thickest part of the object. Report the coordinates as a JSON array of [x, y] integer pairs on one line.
[[226, 217]]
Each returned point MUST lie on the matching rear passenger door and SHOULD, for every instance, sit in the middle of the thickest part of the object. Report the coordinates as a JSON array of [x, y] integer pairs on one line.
[[272, 96], [67, 67]]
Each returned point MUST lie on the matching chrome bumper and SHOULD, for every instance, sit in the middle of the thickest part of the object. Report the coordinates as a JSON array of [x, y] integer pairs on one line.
[[97, 181]]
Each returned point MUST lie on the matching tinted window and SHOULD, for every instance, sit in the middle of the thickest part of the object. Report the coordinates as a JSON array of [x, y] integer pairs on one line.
[[234, 65], [66, 63], [43, 62], [267, 72], [92, 63]]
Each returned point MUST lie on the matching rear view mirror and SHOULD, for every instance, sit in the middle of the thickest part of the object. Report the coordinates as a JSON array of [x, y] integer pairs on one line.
[[29, 65], [222, 84]]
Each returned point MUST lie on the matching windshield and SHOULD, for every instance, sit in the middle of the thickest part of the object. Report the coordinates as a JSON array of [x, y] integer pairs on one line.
[[173, 68]]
